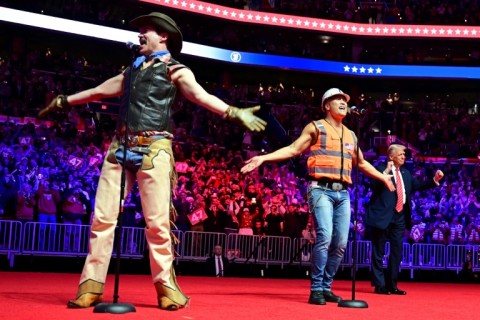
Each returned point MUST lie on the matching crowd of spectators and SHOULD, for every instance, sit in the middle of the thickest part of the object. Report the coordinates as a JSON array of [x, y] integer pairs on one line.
[[40, 165], [49, 170], [441, 12], [295, 42], [462, 12]]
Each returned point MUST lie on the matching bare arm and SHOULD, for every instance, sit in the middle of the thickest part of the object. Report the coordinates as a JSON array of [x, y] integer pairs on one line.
[[193, 91], [189, 87], [296, 148], [112, 87]]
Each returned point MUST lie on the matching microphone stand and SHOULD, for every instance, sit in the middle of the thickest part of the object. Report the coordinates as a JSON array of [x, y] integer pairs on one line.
[[355, 303], [115, 306]]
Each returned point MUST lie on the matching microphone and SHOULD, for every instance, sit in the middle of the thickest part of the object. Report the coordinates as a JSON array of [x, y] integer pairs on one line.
[[356, 111], [132, 46]]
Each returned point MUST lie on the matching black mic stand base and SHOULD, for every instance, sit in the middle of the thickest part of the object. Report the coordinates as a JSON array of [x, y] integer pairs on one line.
[[352, 304], [117, 308]]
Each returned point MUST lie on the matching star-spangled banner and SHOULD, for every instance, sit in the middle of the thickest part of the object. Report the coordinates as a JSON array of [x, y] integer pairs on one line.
[[246, 58], [332, 26]]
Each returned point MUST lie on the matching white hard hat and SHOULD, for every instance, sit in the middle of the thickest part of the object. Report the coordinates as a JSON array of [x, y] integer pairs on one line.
[[334, 92]]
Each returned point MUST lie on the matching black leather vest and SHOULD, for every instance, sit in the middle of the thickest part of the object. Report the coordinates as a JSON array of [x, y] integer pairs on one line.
[[148, 95]]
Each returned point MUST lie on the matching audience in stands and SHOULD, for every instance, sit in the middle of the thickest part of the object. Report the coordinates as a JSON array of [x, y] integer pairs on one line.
[[66, 153], [278, 41]]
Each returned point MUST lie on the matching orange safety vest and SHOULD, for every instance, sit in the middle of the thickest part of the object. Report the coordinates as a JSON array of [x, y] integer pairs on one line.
[[325, 160]]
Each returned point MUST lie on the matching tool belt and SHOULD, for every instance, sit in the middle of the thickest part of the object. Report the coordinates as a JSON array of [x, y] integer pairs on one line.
[[335, 185]]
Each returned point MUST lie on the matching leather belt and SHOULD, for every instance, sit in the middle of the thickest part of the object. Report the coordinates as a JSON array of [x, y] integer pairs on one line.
[[335, 185], [135, 140]]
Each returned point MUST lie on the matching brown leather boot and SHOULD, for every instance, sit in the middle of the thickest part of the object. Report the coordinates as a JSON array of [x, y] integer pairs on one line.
[[171, 299], [90, 293]]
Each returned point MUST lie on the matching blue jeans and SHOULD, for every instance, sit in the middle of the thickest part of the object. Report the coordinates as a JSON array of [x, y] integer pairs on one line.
[[134, 159], [331, 217]]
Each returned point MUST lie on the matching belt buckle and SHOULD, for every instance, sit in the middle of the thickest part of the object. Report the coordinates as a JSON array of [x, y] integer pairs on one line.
[[132, 141], [337, 186]]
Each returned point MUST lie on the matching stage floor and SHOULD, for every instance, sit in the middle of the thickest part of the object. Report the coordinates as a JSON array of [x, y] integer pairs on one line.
[[30, 295]]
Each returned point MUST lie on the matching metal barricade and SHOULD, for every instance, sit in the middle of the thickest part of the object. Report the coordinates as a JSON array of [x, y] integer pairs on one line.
[[364, 253], [10, 239], [476, 258], [407, 257], [457, 256], [302, 251], [244, 248], [275, 250], [58, 239], [347, 256], [178, 244], [133, 242], [55, 239], [199, 245], [428, 256], [406, 262]]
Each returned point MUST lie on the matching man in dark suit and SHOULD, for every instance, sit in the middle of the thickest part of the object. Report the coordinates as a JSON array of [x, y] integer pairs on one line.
[[217, 265], [389, 214]]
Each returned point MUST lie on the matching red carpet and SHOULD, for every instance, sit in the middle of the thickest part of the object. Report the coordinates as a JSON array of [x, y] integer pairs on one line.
[[26, 295]]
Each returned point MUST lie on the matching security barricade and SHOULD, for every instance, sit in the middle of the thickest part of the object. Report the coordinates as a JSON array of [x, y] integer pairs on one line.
[[58, 239], [55, 239], [407, 256], [458, 255], [275, 250], [428, 256], [198, 245], [476, 258], [244, 248], [10, 239], [133, 243], [364, 253], [302, 251], [177, 244], [347, 256]]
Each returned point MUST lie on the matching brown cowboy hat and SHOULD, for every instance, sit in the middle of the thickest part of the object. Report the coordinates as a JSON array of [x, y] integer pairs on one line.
[[162, 23]]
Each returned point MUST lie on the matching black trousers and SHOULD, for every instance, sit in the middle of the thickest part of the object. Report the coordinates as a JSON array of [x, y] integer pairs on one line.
[[394, 234]]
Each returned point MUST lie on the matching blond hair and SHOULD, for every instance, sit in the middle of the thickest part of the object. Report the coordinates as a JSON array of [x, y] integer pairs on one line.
[[395, 147]]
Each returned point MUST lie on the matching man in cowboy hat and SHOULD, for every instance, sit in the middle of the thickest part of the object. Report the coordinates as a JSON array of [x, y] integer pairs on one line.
[[143, 145]]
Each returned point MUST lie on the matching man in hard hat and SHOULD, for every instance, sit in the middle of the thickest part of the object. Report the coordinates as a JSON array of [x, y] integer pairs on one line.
[[332, 155]]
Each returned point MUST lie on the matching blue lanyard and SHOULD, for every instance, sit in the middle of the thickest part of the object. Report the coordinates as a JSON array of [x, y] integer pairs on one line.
[[158, 54]]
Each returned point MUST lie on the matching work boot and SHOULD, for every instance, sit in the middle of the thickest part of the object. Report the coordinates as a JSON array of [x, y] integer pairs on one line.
[[316, 297]]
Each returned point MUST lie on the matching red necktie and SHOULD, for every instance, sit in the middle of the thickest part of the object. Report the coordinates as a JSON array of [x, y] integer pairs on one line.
[[219, 267], [399, 187]]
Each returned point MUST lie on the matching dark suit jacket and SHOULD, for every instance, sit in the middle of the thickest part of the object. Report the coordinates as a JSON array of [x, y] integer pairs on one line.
[[210, 266], [381, 208]]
